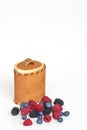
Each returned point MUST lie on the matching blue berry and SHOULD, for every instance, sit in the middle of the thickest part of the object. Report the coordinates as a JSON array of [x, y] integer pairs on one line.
[[61, 114], [48, 104], [41, 113], [66, 113], [15, 111], [24, 117], [39, 117], [60, 120], [26, 104], [22, 105], [39, 121]]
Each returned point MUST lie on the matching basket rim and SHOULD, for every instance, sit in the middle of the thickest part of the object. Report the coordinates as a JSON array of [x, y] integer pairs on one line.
[[35, 70]]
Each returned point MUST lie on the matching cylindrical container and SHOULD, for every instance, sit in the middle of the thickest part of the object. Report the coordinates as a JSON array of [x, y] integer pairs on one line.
[[29, 81]]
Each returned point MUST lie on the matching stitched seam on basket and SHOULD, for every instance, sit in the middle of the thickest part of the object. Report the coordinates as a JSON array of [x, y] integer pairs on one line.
[[31, 72]]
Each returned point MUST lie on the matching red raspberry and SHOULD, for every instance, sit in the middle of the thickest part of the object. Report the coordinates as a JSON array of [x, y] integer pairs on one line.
[[46, 99], [35, 106], [47, 118], [56, 108], [32, 102], [56, 115], [30, 108], [24, 111], [27, 122], [38, 107]]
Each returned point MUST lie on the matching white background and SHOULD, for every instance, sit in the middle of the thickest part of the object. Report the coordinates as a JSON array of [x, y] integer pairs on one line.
[[54, 32]]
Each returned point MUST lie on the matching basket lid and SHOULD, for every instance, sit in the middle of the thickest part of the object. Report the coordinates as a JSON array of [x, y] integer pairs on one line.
[[28, 66]]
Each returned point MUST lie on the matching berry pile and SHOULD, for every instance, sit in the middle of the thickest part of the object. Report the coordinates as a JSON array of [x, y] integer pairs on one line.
[[43, 111]]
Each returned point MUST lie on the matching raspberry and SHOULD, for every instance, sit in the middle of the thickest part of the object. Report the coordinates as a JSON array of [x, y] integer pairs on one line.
[[27, 122], [24, 111], [30, 108], [57, 107], [38, 107], [47, 118], [56, 115], [46, 99], [32, 102]]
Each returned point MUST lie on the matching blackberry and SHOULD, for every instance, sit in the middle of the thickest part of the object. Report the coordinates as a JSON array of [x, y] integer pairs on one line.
[[34, 114], [46, 111], [15, 111], [59, 101]]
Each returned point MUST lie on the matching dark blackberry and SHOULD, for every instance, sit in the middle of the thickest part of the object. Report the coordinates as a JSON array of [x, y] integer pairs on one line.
[[34, 114], [46, 111], [59, 101], [15, 111]]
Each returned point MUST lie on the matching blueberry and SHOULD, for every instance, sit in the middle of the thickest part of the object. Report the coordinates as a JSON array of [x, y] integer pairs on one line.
[[34, 114], [22, 105], [59, 101], [39, 121], [39, 117], [26, 104], [24, 117], [61, 114], [48, 104], [66, 113], [60, 120], [15, 111], [41, 113]]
